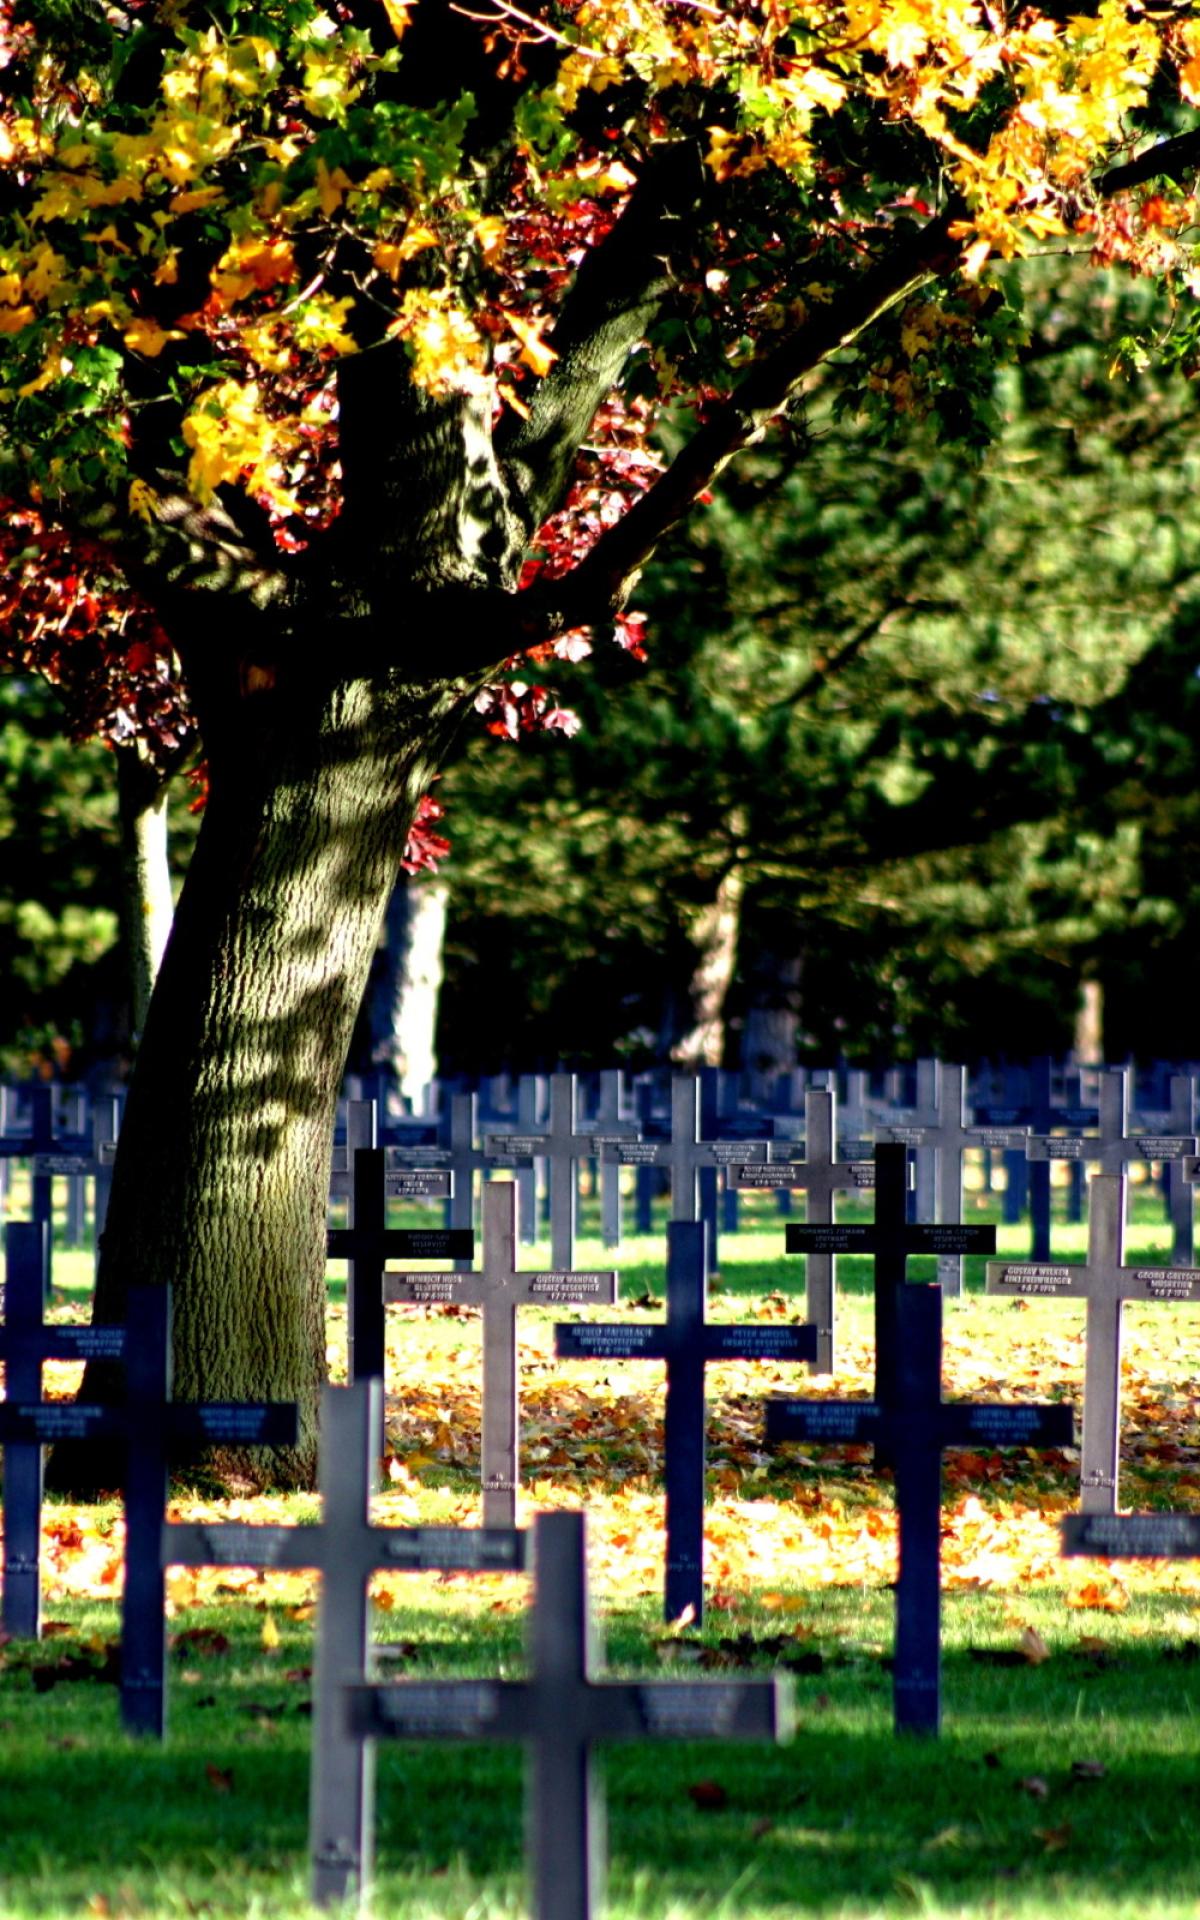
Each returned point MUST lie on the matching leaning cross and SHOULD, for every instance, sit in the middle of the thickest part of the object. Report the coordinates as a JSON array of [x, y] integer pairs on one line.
[[890, 1239], [915, 1431], [688, 1342], [499, 1289], [820, 1176], [1105, 1282], [685, 1153], [949, 1131], [25, 1342], [561, 1712], [368, 1244]]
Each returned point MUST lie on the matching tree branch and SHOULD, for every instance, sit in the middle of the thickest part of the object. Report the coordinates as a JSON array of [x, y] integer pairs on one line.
[[1170, 159], [615, 295], [597, 586]]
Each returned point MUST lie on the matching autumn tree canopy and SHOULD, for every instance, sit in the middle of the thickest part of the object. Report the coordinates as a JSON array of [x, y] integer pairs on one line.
[[340, 335]]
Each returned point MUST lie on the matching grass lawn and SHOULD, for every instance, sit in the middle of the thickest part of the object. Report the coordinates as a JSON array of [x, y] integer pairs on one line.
[[1066, 1780]]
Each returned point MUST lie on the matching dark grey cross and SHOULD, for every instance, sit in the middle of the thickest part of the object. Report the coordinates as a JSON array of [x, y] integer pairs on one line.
[[949, 1132], [563, 1145], [561, 1713], [890, 1239], [410, 1172], [345, 1549], [149, 1425], [688, 1343], [25, 1342], [915, 1432], [1131, 1536], [499, 1290], [1179, 1119], [685, 1153], [465, 1160], [1105, 1282], [1114, 1144], [368, 1244], [609, 1123], [820, 1176]]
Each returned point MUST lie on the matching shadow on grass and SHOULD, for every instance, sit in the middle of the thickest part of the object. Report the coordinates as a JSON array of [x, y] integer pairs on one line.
[[1068, 1785]]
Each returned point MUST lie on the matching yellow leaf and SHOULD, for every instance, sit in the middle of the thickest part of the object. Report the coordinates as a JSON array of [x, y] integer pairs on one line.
[[270, 1634], [398, 15], [331, 187], [146, 336], [13, 319], [143, 501], [535, 352], [196, 197]]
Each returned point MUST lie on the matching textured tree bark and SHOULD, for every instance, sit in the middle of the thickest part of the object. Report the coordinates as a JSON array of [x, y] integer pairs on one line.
[[221, 1181]]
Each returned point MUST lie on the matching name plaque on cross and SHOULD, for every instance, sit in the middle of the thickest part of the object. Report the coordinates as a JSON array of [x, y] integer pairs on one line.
[[561, 1713], [821, 1176], [1132, 1536], [1105, 1283], [27, 1340], [685, 1154], [499, 1290], [915, 1429], [687, 1343], [367, 1244], [889, 1239]]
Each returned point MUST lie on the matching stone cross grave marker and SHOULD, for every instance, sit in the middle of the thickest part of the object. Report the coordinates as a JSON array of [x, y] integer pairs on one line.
[[368, 1244], [610, 1123], [148, 1424], [948, 1130], [890, 1238], [820, 1176], [345, 1549], [500, 1290], [561, 1713], [1179, 1120], [685, 1153], [1113, 1145], [460, 1130], [502, 1141], [25, 1342], [348, 1549], [412, 1171], [1105, 1282], [914, 1432], [1131, 1536], [563, 1145], [688, 1343]]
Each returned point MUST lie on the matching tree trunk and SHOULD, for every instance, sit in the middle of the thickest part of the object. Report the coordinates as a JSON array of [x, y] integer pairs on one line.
[[772, 1020], [399, 1023], [714, 934], [146, 905], [221, 1182], [1089, 1024]]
